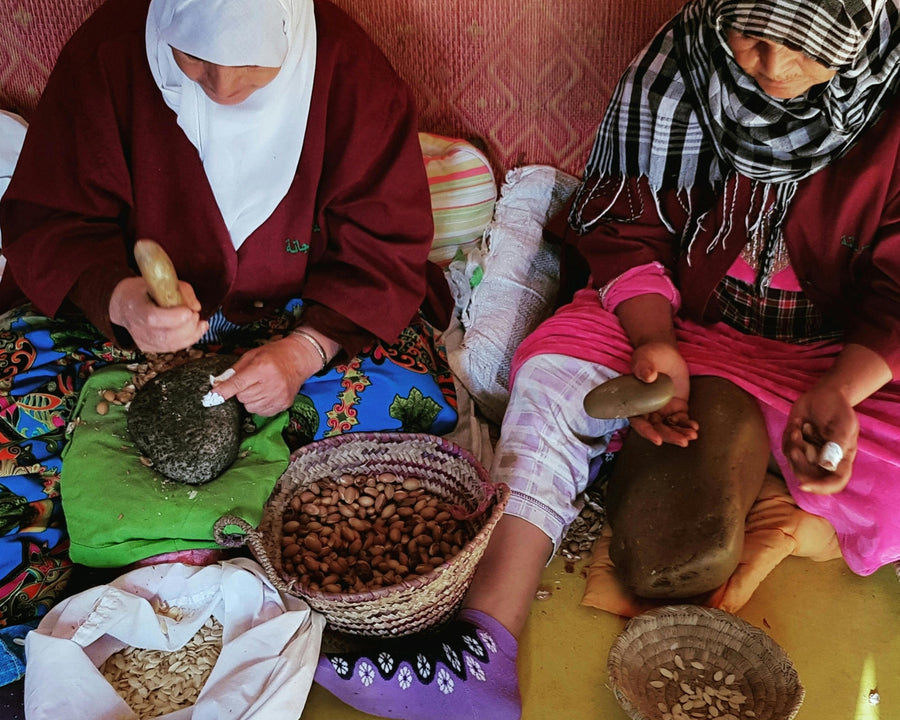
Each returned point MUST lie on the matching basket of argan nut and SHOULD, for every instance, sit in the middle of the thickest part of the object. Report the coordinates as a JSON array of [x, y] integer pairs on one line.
[[379, 532], [686, 662]]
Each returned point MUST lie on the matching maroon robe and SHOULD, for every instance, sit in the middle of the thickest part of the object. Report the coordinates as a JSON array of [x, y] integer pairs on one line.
[[105, 163], [842, 233]]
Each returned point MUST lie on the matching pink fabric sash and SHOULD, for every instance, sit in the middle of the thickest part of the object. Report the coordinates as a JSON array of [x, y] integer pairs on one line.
[[866, 514]]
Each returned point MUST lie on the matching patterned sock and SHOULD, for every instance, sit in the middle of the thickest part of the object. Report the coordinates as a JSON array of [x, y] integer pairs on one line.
[[464, 671]]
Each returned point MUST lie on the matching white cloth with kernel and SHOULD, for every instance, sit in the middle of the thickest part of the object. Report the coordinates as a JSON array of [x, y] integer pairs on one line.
[[270, 643]]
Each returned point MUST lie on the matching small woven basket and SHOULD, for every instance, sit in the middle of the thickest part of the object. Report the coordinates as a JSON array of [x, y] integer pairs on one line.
[[701, 658], [419, 601]]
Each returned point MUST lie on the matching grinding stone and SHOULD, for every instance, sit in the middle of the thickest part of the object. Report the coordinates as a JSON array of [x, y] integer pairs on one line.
[[167, 422], [677, 514]]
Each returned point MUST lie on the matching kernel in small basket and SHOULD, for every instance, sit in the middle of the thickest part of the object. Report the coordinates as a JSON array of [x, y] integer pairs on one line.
[[684, 693]]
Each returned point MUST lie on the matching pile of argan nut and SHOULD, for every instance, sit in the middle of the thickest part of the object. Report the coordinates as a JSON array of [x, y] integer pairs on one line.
[[358, 533], [142, 373]]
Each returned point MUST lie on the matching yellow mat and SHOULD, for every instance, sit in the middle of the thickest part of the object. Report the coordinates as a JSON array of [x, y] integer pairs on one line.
[[841, 631]]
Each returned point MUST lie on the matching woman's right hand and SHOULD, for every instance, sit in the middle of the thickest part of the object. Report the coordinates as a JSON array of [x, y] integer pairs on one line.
[[153, 328], [823, 413], [672, 423]]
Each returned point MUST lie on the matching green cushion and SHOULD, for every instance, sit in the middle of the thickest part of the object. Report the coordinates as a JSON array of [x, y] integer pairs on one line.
[[119, 511]]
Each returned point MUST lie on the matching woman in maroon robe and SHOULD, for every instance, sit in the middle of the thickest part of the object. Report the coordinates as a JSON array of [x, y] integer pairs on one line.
[[272, 152]]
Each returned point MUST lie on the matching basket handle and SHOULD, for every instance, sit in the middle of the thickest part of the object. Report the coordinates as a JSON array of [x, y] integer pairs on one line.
[[459, 512], [232, 540], [249, 536]]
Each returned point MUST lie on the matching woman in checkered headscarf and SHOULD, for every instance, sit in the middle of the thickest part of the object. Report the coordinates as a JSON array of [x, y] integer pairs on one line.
[[738, 217], [687, 115], [706, 116]]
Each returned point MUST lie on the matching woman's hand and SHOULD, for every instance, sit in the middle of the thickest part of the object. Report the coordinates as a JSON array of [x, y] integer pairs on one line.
[[821, 415], [156, 329], [268, 378], [647, 320], [672, 423], [826, 413]]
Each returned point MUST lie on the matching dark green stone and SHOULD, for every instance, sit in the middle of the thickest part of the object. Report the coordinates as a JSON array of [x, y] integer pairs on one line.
[[677, 514], [167, 422]]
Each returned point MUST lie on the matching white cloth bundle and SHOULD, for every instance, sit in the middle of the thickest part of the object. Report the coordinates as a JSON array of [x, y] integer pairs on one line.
[[270, 643]]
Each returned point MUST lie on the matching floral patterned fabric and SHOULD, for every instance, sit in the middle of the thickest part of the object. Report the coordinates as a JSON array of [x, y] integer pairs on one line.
[[405, 387], [453, 657], [45, 362]]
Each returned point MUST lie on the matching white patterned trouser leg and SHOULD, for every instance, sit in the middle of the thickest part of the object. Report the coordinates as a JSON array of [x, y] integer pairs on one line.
[[547, 440]]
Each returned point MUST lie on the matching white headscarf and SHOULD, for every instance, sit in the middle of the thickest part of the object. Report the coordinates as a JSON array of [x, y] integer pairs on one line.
[[250, 150]]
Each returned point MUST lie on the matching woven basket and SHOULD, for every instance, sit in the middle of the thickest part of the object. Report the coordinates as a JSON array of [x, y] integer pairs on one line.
[[696, 645], [419, 601]]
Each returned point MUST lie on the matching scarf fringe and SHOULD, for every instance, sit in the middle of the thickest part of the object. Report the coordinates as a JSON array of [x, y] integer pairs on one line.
[[763, 223], [585, 194]]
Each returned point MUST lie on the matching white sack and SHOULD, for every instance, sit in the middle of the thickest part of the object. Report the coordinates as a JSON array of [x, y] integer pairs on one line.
[[270, 643], [518, 288]]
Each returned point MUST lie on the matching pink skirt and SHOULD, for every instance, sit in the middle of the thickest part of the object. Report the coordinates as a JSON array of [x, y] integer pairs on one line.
[[866, 514]]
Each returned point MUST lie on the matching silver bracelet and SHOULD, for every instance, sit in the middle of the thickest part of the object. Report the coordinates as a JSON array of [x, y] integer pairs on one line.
[[315, 343]]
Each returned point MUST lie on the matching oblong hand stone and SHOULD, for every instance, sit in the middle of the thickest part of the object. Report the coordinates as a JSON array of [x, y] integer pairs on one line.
[[167, 422], [626, 396]]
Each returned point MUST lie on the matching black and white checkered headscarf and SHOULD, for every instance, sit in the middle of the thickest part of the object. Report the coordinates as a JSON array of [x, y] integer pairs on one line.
[[684, 114]]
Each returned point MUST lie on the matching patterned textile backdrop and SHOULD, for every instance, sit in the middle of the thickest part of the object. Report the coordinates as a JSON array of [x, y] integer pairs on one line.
[[528, 79]]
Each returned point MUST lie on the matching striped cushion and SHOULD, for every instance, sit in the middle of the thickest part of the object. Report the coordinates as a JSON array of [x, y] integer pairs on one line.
[[463, 193]]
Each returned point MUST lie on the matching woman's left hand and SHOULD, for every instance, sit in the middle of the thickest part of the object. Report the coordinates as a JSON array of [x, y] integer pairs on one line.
[[821, 415], [267, 378], [672, 423]]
